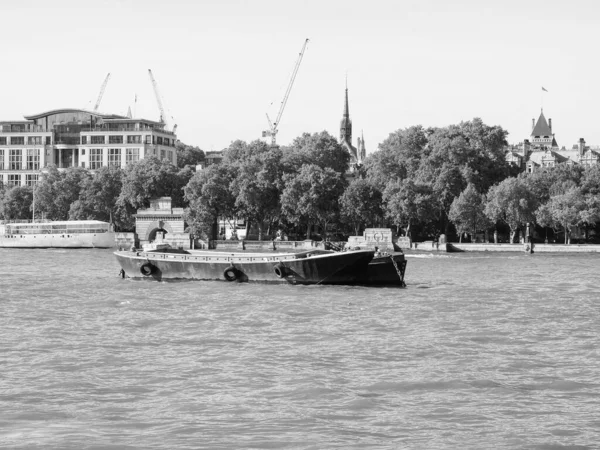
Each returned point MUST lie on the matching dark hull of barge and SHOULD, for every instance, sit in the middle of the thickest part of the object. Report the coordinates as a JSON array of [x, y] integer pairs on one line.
[[360, 267]]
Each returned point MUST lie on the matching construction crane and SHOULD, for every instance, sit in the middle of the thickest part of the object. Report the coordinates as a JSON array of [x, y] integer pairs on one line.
[[272, 131], [163, 117], [101, 92]]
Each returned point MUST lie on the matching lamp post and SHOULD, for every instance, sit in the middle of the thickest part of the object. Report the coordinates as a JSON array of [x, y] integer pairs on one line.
[[33, 203]]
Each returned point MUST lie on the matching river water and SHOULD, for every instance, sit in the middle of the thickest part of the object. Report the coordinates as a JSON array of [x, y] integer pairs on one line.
[[480, 351]]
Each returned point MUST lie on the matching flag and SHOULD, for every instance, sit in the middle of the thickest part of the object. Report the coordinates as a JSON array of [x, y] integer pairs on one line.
[[544, 89]]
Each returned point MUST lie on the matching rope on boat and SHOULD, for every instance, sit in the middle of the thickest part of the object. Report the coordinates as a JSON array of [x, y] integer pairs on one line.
[[402, 283]]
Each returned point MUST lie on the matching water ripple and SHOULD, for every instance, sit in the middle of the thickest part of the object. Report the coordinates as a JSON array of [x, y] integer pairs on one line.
[[480, 351]]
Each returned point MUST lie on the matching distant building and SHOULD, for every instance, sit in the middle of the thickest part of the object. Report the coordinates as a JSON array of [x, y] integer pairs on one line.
[[210, 158], [541, 150], [78, 138], [358, 153]]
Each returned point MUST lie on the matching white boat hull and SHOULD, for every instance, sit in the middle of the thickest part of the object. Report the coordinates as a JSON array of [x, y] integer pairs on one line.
[[72, 240]]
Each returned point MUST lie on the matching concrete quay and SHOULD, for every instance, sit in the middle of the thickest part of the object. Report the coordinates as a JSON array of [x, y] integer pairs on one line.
[[490, 247]]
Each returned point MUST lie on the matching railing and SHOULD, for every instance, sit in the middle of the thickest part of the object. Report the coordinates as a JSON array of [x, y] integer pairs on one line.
[[9, 221], [105, 129], [36, 130]]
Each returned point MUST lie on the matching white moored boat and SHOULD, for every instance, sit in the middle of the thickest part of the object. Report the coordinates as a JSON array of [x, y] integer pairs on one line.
[[65, 234]]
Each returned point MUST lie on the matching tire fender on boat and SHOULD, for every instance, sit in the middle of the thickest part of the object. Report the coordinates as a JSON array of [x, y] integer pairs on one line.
[[280, 270], [231, 273], [147, 269]]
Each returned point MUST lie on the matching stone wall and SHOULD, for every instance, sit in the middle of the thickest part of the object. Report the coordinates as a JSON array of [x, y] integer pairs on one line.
[[125, 241], [537, 248], [382, 238], [178, 240]]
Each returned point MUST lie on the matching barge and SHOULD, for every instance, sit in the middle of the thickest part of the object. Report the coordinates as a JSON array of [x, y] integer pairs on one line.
[[356, 267]]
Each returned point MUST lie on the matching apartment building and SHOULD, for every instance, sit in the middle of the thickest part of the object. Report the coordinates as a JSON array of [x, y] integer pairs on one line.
[[78, 138]]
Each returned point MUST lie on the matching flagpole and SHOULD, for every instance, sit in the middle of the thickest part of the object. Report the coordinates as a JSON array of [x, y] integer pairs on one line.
[[542, 97]]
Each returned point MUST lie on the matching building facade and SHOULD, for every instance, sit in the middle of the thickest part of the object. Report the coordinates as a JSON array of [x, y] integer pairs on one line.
[[541, 150], [78, 138]]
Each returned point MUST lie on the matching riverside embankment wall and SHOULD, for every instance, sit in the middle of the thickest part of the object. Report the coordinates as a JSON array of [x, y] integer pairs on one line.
[[537, 248]]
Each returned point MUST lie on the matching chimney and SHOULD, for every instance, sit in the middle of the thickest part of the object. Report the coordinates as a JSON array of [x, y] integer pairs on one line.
[[550, 124], [581, 147]]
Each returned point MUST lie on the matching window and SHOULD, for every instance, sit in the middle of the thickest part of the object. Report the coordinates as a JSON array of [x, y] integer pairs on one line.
[[48, 140], [1, 159], [115, 139], [170, 153], [34, 140], [83, 164], [159, 140], [148, 139], [98, 140], [162, 154], [83, 140], [33, 159], [166, 141], [132, 155], [15, 159], [17, 140], [31, 179], [3, 140], [83, 152], [114, 157], [14, 179], [134, 139], [95, 158]]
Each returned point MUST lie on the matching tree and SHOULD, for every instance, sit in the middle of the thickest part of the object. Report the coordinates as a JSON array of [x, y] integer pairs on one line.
[[16, 202], [256, 183], [468, 212], [98, 196], [407, 202], [312, 196], [543, 183], [446, 183], [513, 203], [361, 203], [209, 196], [398, 156], [563, 210], [590, 190], [590, 180], [58, 190], [188, 155], [320, 149], [470, 152], [152, 178]]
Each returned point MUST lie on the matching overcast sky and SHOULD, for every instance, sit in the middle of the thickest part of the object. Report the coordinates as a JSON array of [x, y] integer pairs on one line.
[[222, 65]]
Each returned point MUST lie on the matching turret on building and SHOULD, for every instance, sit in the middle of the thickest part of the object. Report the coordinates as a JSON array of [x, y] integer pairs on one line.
[[542, 151], [541, 132]]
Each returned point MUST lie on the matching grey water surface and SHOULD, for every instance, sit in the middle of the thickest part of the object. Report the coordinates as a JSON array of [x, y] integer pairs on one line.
[[480, 351]]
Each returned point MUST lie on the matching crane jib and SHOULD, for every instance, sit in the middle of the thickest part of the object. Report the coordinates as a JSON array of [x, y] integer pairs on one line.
[[273, 125]]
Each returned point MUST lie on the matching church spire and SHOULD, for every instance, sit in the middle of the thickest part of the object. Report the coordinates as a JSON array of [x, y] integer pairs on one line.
[[346, 123], [346, 108]]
